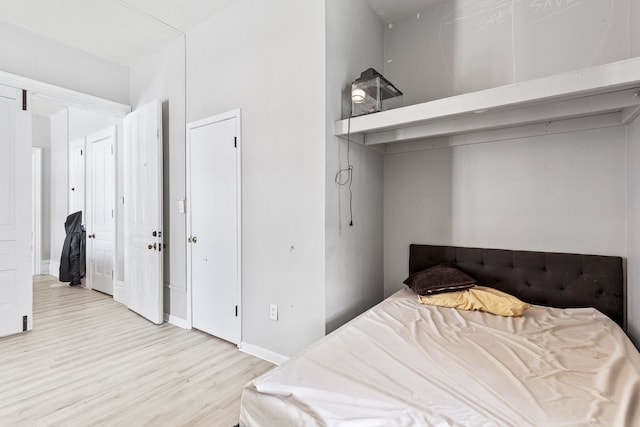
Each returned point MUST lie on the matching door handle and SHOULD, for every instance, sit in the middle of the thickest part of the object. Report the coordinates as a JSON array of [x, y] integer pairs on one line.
[[92, 236], [192, 239], [152, 246]]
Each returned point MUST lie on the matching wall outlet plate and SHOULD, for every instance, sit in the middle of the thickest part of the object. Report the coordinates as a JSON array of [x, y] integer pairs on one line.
[[273, 312]]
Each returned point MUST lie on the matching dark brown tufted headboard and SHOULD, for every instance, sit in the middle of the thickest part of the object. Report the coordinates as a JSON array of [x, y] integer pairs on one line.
[[543, 278]]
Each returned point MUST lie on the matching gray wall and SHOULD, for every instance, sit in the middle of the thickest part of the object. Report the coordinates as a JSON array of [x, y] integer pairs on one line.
[[561, 192], [354, 39], [250, 57], [633, 194], [460, 46], [634, 28], [633, 232]]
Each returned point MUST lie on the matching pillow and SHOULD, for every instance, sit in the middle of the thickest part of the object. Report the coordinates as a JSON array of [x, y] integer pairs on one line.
[[439, 278], [479, 298]]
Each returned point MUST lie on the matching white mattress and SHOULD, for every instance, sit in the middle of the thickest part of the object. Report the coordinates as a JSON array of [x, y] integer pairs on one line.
[[406, 364]]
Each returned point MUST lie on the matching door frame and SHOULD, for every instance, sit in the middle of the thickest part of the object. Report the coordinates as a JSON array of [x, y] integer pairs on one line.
[[36, 199], [111, 131], [237, 115]]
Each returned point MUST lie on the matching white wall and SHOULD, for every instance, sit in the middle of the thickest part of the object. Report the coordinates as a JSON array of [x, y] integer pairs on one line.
[[42, 138], [58, 187], [463, 46], [30, 55], [268, 59], [633, 232], [354, 40], [162, 75], [84, 122]]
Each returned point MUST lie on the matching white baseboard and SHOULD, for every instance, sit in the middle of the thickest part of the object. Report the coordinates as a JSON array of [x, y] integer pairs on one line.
[[175, 321], [120, 292], [45, 265], [54, 268], [262, 353]]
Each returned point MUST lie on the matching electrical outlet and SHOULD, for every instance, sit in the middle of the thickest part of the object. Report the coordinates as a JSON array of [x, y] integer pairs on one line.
[[273, 312]]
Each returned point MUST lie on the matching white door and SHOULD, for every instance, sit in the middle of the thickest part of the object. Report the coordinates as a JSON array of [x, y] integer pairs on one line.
[[15, 214], [76, 176], [143, 248], [100, 216], [214, 225]]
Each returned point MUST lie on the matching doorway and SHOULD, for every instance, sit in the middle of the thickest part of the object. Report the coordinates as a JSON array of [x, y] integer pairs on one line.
[[214, 226], [36, 210], [56, 123]]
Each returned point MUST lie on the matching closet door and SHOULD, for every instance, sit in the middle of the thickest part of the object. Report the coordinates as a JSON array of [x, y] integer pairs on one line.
[[15, 215], [213, 222]]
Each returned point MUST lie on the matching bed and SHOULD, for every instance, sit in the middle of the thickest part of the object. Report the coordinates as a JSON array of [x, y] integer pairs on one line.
[[565, 362]]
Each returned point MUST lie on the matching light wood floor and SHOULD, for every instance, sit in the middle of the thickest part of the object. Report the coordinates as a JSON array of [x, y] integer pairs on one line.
[[91, 361]]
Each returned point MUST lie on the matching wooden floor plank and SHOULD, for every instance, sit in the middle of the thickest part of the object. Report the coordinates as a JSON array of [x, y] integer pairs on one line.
[[91, 361]]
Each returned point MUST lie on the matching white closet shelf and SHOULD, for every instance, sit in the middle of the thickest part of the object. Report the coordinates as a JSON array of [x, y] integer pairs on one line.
[[609, 88]]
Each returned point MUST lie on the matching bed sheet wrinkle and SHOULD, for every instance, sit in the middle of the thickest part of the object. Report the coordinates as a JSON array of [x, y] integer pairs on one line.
[[404, 364]]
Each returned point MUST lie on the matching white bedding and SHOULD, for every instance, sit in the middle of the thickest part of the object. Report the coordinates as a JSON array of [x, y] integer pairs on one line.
[[406, 364]]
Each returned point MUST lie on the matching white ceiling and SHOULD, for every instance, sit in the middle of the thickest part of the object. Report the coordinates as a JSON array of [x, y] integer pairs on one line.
[[394, 10], [116, 30], [123, 30]]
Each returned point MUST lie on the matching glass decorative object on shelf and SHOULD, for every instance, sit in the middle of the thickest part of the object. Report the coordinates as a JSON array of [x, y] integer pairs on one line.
[[371, 93]]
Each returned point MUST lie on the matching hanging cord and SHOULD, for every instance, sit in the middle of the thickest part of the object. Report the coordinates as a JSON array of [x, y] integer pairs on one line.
[[345, 176]]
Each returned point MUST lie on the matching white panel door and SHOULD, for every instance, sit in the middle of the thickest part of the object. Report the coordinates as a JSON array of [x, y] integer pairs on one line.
[[15, 213], [76, 176], [213, 223], [143, 248], [100, 218]]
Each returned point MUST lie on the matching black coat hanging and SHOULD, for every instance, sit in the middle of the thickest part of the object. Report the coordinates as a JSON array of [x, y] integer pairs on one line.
[[72, 261]]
